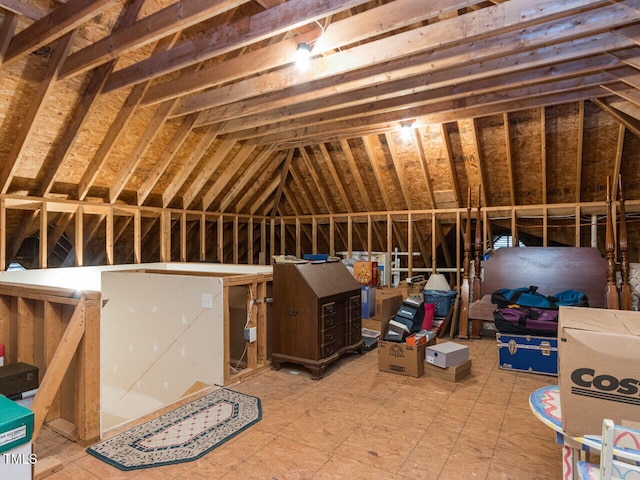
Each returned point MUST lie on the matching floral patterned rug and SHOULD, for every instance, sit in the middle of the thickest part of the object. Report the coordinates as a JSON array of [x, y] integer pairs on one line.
[[183, 434]]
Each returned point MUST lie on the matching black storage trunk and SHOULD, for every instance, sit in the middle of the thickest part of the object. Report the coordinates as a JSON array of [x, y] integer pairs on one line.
[[18, 378]]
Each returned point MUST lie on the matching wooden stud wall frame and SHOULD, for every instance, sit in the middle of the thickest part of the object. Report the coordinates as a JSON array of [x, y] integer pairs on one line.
[[352, 229]]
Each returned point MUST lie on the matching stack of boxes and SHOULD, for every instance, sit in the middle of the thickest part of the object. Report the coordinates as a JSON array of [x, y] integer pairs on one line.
[[367, 275], [447, 361]]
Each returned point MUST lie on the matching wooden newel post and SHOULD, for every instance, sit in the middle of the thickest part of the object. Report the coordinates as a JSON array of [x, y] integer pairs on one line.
[[477, 261], [610, 255], [463, 321], [623, 249]]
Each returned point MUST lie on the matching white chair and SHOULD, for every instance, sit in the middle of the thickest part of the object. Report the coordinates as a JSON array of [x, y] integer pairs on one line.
[[627, 447]]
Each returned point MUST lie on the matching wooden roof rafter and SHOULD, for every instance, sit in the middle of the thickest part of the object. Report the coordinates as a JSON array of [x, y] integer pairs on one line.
[[168, 21], [266, 24], [116, 128], [238, 161], [284, 173], [35, 108], [261, 181], [342, 193], [210, 165], [61, 21], [373, 22], [234, 191], [415, 41], [190, 163]]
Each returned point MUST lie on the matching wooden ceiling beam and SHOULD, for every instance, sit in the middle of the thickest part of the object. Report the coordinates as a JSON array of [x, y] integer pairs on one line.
[[424, 167], [265, 196], [170, 20], [509, 157], [368, 146], [373, 22], [7, 29], [337, 179], [226, 38], [135, 157], [24, 9], [496, 85], [437, 113], [630, 94], [631, 123], [166, 157], [116, 128], [55, 25], [36, 106], [265, 176], [86, 102], [258, 164], [223, 180], [307, 204], [188, 166], [400, 175], [472, 27], [284, 173], [453, 175], [210, 165], [618, 160], [316, 180], [431, 70], [400, 109]]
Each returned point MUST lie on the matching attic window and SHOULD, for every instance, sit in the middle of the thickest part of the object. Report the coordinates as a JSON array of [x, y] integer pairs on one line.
[[505, 241]]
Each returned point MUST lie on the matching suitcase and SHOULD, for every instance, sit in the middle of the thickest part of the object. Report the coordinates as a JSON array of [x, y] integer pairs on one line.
[[526, 353], [18, 378]]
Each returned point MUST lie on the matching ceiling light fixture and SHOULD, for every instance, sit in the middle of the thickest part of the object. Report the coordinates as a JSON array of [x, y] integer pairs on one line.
[[406, 130], [303, 54]]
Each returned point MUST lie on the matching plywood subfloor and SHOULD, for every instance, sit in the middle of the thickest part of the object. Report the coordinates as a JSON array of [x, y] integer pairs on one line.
[[359, 423]]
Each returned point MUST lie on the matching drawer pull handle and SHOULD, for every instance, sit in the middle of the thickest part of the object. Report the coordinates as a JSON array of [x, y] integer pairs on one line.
[[293, 311]]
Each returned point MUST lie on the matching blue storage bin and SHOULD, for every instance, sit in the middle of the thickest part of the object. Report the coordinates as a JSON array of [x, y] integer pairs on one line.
[[442, 299]]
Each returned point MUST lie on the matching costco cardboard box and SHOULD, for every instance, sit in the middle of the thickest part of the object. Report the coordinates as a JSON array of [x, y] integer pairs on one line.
[[598, 360]]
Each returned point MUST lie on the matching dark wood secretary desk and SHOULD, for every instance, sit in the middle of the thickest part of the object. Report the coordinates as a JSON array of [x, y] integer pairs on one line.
[[317, 315]]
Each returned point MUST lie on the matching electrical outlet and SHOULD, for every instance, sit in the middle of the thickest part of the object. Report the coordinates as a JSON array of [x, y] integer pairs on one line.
[[207, 300], [251, 334]]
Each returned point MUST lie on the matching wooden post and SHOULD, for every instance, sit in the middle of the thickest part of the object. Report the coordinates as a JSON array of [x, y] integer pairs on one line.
[[623, 247], [477, 261], [87, 415], [59, 365], [463, 321], [610, 256]]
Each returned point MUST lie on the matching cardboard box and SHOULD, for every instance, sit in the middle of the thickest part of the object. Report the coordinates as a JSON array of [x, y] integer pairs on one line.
[[16, 424], [450, 374], [366, 273], [401, 358], [388, 301], [447, 354], [368, 301], [598, 355]]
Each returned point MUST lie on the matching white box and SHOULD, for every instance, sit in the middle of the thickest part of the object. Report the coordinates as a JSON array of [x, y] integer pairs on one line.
[[447, 354], [17, 463]]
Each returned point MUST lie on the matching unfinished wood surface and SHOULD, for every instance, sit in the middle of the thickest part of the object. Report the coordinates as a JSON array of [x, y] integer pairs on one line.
[[193, 105]]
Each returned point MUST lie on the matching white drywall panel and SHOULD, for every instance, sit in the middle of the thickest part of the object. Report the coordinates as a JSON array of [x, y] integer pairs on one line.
[[157, 340]]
